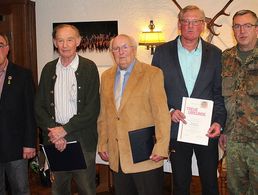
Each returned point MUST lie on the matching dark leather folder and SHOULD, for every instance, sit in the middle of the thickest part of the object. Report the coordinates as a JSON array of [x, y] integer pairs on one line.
[[70, 159], [142, 142]]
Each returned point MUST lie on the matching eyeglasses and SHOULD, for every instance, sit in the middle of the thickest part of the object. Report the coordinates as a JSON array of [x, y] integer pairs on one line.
[[123, 48], [247, 26], [193, 22], [3, 46]]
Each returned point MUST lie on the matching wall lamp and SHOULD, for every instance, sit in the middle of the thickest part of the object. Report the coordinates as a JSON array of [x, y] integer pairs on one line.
[[151, 38]]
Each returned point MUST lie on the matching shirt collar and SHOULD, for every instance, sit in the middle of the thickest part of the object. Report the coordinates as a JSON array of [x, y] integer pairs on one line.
[[5, 67], [198, 49], [74, 64], [129, 69]]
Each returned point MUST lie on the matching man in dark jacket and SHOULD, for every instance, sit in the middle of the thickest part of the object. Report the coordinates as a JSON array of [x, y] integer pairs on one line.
[[67, 107], [17, 123], [192, 68]]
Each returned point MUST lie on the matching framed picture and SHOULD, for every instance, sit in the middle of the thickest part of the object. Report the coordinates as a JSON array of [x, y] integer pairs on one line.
[[96, 36]]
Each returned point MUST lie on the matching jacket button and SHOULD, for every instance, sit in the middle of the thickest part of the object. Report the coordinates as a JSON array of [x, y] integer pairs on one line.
[[52, 104], [53, 117], [79, 101], [52, 91]]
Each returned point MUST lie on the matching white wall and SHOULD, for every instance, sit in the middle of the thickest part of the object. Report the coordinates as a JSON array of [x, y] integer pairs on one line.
[[133, 16]]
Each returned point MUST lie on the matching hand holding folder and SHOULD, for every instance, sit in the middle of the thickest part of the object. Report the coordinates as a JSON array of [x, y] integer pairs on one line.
[[71, 158], [142, 142]]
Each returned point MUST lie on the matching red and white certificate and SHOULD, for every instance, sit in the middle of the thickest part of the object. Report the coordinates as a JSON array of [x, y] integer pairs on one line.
[[198, 113]]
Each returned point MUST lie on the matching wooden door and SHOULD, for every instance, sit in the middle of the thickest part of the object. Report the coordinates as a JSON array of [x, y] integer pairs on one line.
[[17, 20], [5, 27]]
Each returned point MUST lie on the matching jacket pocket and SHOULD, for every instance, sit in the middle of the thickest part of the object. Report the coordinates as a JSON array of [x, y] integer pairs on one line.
[[252, 80], [228, 85]]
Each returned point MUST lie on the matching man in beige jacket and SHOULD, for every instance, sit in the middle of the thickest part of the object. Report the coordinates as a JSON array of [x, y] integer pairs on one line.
[[142, 103]]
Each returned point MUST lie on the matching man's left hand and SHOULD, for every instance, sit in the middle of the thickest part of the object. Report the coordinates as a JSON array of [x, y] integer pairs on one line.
[[156, 158], [214, 130], [28, 152], [61, 144]]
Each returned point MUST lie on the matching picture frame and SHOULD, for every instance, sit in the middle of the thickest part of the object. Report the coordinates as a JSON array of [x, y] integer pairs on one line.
[[96, 35]]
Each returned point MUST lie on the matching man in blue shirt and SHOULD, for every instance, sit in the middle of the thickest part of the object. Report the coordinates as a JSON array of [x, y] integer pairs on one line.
[[192, 68]]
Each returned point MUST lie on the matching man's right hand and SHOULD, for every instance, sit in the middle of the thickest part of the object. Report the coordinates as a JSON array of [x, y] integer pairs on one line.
[[104, 156], [223, 142], [177, 116], [61, 144]]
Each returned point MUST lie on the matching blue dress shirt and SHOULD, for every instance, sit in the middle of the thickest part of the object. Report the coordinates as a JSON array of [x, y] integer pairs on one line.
[[127, 74], [190, 62]]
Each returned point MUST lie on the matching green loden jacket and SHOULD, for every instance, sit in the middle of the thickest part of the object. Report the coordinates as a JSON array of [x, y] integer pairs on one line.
[[240, 89], [81, 127]]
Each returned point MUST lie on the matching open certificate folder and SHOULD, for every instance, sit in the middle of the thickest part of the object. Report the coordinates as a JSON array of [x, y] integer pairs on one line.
[[198, 113], [70, 159]]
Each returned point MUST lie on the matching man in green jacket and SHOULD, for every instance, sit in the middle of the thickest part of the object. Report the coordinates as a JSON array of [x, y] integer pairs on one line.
[[240, 89], [67, 107]]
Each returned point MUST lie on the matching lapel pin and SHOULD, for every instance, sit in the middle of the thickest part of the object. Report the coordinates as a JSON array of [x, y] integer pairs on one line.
[[9, 80]]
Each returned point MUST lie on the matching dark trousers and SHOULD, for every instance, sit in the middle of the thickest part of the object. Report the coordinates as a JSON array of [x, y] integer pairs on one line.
[[84, 179], [143, 183], [207, 161], [17, 174]]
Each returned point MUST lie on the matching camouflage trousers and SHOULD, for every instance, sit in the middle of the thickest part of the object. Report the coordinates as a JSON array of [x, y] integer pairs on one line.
[[242, 168]]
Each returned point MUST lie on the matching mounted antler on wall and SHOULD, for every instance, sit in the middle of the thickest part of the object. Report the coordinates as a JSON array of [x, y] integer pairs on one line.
[[211, 21]]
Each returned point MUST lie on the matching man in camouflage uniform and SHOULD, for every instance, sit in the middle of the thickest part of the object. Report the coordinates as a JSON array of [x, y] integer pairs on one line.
[[240, 89]]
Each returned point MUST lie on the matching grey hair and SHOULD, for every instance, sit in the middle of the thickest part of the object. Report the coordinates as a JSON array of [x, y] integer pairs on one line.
[[190, 8], [131, 40], [246, 11], [60, 26], [5, 37]]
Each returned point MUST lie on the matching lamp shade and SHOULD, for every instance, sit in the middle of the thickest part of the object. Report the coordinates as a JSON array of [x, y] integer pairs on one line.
[[151, 38]]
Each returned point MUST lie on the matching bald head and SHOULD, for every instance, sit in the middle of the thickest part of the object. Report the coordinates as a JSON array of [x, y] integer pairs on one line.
[[123, 48]]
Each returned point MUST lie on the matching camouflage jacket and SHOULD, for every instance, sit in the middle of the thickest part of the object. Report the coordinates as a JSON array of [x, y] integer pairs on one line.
[[240, 89]]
